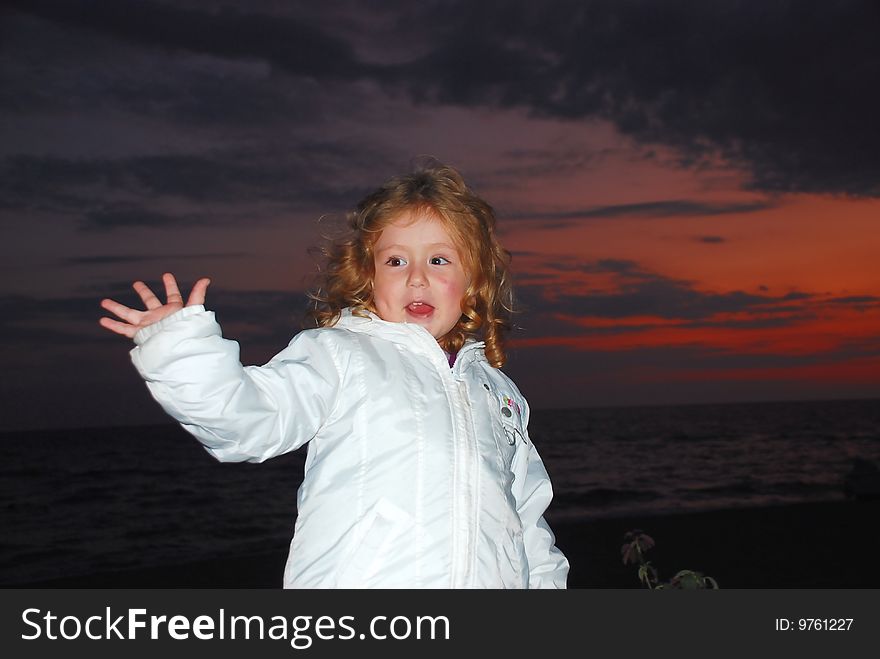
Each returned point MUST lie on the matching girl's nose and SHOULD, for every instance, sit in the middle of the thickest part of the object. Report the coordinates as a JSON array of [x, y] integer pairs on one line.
[[417, 277]]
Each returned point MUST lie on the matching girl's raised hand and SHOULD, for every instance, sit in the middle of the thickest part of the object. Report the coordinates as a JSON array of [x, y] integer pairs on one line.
[[133, 320]]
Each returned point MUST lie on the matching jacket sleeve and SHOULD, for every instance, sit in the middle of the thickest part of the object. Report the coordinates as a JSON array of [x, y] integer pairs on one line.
[[548, 567], [239, 413]]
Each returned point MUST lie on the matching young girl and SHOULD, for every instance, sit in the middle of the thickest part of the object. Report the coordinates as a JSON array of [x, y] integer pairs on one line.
[[420, 472]]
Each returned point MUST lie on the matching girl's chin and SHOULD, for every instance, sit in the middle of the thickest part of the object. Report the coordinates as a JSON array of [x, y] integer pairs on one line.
[[426, 323]]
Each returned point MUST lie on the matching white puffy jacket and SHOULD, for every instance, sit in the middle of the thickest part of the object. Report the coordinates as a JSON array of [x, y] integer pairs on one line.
[[418, 475]]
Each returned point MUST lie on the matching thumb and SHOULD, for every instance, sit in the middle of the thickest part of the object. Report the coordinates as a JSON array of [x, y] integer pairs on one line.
[[199, 289]]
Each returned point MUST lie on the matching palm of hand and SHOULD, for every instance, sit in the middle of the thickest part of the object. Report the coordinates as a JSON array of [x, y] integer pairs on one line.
[[133, 320]]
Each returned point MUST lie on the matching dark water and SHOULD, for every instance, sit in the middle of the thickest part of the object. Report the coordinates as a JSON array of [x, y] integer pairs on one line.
[[83, 501], [622, 461]]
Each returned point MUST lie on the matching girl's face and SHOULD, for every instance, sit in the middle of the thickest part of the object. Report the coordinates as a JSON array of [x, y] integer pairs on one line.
[[420, 276]]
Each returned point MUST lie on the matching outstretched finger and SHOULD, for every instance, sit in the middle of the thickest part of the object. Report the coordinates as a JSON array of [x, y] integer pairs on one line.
[[119, 328], [199, 290], [118, 309], [149, 298], [172, 291]]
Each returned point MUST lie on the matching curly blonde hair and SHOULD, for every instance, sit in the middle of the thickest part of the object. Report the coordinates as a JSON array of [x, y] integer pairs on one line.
[[346, 279]]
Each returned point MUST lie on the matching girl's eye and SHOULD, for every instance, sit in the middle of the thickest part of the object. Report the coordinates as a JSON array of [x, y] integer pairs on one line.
[[395, 261], [439, 260]]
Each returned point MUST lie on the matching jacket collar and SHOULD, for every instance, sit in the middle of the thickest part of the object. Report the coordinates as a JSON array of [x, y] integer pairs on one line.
[[413, 336]]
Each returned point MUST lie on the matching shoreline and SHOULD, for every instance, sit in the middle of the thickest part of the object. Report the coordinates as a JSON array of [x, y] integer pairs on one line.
[[806, 545]]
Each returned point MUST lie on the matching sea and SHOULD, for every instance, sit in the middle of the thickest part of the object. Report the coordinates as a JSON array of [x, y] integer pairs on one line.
[[86, 501]]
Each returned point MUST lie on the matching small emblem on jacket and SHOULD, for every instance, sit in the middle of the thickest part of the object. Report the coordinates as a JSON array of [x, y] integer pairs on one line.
[[509, 402], [509, 424]]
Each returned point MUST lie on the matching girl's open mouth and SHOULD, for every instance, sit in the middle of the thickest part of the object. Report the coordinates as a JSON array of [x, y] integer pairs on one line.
[[419, 308]]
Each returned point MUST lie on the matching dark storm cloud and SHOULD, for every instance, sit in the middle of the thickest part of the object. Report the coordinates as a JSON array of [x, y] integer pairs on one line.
[[225, 176], [856, 299], [58, 70], [124, 216], [141, 258], [71, 185], [858, 302], [114, 193], [661, 297], [669, 208], [784, 89], [643, 293], [287, 43]]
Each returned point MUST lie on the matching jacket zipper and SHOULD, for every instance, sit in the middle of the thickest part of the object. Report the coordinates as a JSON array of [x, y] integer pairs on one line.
[[465, 473]]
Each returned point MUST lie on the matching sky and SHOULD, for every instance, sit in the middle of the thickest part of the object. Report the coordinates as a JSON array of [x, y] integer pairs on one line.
[[689, 189]]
